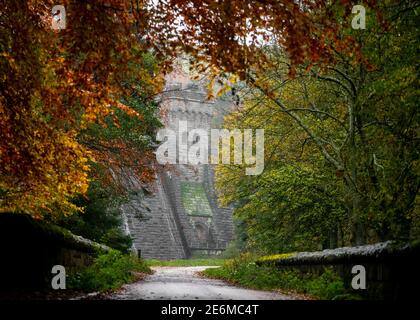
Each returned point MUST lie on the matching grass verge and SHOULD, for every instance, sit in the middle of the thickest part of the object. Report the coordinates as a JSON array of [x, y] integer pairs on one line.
[[245, 272], [109, 271]]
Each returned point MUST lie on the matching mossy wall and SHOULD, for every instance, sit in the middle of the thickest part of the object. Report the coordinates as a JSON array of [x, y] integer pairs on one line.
[[392, 269], [29, 249], [194, 199]]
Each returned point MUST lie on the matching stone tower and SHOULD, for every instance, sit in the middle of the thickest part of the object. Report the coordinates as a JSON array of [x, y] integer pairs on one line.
[[180, 217]]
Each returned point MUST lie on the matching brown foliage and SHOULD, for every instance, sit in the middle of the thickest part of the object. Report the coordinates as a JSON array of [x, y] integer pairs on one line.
[[55, 83]]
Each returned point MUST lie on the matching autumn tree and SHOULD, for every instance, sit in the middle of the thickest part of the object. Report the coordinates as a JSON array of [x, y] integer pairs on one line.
[[123, 146], [346, 138], [54, 84]]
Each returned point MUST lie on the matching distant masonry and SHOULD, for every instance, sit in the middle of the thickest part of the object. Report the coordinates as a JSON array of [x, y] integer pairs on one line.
[[180, 217]]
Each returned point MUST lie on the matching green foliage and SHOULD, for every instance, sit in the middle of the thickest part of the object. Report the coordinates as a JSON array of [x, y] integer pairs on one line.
[[122, 127], [392, 122], [291, 209], [109, 271], [233, 249], [244, 271], [341, 145], [120, 142], [101, 220], [238, 244]]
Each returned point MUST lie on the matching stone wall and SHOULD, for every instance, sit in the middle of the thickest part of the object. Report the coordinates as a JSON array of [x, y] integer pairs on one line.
[[151, 221], [29, 249], [207, 228], [392, 269]]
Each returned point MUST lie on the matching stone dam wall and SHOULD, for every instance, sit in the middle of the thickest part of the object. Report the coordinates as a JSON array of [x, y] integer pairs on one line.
[[178, 216]]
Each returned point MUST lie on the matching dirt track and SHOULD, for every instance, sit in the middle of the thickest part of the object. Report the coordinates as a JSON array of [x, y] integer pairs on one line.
[[183, 283]]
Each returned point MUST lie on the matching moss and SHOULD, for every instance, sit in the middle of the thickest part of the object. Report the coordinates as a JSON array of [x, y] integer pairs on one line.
[[366, 254], [194, 199], [69, 239], [275, 257]]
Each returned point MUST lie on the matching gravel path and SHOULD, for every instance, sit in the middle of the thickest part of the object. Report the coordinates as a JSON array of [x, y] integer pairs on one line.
[[183, 283]]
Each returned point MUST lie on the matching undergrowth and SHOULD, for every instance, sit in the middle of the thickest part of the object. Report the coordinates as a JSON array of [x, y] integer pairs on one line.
[[109, 271], [245, 272]]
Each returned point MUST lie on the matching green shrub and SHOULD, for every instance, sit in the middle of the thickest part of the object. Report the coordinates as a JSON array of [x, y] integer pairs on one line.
[[101, 220], [109, 271], [244, 271]]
